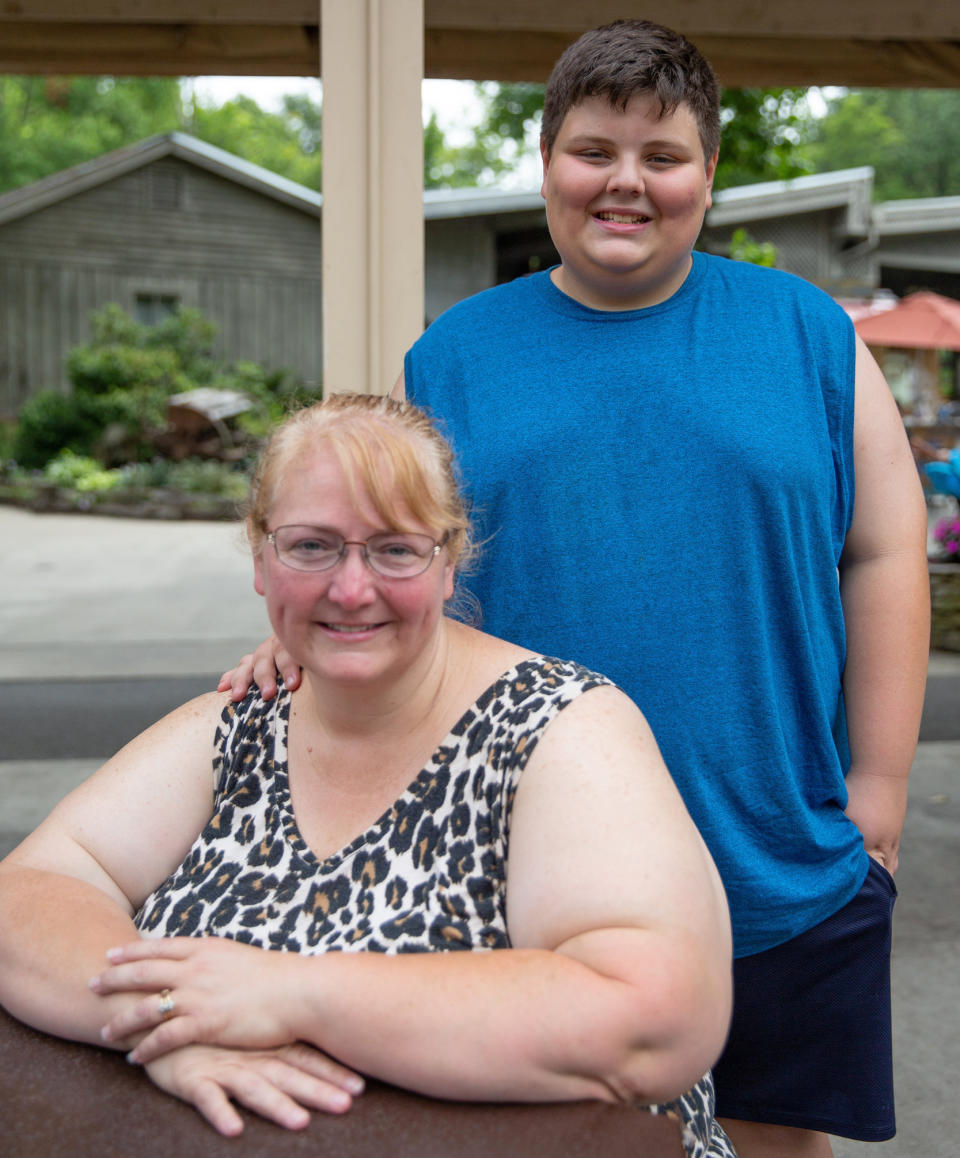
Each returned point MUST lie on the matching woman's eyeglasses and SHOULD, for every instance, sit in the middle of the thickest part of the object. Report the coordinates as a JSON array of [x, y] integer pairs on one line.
[[392, 554]]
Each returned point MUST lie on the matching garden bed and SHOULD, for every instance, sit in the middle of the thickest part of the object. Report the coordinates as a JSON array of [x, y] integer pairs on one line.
[[129, 503]]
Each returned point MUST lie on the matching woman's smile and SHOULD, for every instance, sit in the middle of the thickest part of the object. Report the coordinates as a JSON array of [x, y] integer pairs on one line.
[[352, 628]]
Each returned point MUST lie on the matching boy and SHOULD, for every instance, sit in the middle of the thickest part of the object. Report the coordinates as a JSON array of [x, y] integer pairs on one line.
[[662, 449]]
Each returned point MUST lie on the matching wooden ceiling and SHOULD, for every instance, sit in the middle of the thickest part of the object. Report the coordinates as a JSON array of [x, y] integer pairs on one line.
[[881, 43]]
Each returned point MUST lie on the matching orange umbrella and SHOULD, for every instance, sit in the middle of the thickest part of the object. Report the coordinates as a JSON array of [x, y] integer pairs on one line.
[[920, 321]]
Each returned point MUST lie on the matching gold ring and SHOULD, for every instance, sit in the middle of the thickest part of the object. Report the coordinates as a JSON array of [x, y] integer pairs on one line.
[[166, 1006]]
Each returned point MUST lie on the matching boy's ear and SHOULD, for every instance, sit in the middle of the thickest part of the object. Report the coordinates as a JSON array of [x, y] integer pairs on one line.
[[545, 158], [711, 173]]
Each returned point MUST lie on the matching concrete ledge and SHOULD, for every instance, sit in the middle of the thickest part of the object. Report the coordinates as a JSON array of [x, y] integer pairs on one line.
[[119, 660]]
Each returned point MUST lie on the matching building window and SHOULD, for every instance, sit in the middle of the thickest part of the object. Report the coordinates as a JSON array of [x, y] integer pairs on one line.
[[152, 309]]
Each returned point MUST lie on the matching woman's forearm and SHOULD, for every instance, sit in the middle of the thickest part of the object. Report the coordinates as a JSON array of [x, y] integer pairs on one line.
[[522, 1025], [615, 1013], [54, 933]]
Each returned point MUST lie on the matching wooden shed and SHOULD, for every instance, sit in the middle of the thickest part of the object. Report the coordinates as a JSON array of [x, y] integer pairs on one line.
[[168, 221]]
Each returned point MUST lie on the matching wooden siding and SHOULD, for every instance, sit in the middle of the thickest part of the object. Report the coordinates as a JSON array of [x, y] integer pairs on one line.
[[807, 245], [250, 263], [460, 261]]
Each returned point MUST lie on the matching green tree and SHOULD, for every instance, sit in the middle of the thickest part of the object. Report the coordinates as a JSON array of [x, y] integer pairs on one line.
[[286, 142], [911, 137], [50, 123], [448, 166], [513, 111], [511, 114], [765, 132]]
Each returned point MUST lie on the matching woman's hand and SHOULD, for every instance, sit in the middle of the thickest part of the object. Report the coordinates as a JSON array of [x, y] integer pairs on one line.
[[201, 989], [261, 667], [282, 1085]]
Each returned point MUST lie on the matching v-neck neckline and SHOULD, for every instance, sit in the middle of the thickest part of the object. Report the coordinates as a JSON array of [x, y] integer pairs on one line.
[[418, 787]]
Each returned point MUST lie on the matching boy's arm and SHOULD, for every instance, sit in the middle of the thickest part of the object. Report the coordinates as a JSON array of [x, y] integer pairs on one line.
[[886, 603]]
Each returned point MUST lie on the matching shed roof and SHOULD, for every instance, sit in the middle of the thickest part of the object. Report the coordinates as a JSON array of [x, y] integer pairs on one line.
[[917, 215], [90, 174]]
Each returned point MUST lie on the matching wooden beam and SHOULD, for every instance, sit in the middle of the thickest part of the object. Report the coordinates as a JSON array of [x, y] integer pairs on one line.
[[854, 63], [279, 12], [739, 61], [875, 43], [160, 49], [851, 20], [816, 19]]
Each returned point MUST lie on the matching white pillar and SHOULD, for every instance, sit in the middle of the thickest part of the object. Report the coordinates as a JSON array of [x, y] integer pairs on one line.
[[372, 68]]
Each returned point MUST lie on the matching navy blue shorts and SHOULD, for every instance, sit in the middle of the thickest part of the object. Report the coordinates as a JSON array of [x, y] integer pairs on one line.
[[810, 1044]]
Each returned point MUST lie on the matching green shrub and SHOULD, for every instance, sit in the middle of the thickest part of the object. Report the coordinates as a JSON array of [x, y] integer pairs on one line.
[[185, 332], [80, 473], [113, 326], [101, 369], [8, 434], [744, 248], [122, 379], [189, 335], [112, 427], [50, 422], [123, 354], [192, 475]]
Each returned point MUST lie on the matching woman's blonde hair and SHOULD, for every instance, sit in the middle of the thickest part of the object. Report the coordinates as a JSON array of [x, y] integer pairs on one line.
[[389, 449]]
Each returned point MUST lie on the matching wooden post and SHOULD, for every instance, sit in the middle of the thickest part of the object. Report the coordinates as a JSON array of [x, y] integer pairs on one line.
[[372, 67]]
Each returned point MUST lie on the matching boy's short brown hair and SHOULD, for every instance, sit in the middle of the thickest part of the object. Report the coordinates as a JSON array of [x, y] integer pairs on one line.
[[627, 57]]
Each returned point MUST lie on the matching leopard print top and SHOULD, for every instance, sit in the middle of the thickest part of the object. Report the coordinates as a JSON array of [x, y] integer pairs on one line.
[[429, 875]]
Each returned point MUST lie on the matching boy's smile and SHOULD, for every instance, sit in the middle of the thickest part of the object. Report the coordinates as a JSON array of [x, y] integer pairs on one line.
[[626, 194]]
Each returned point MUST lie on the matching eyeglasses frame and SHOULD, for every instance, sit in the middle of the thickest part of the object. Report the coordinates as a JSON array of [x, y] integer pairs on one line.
[[271, 537]]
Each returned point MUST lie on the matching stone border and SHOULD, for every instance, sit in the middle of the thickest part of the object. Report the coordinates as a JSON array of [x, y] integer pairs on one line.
[[121, 502]]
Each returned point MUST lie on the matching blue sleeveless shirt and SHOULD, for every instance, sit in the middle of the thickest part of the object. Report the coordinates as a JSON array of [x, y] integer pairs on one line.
[[663, 496]]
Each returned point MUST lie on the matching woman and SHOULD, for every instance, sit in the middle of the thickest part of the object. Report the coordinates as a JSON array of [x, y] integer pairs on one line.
[[503, 801]]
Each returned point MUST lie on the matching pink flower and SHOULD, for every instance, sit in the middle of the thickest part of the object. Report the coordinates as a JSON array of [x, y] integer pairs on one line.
[[947, 530]]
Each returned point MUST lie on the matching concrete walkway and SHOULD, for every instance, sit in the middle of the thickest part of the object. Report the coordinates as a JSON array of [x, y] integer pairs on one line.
[[94, 599], [86, 597]]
